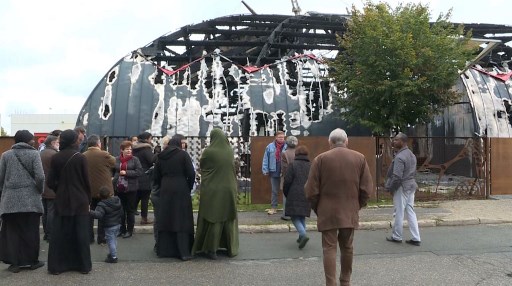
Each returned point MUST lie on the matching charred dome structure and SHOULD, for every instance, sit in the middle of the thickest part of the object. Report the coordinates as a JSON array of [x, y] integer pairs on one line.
[[254, 74]]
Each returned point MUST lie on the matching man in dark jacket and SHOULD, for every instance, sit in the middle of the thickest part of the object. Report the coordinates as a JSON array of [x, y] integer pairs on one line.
[[144, 151], [52, 147], [109, 212], [100, 165]]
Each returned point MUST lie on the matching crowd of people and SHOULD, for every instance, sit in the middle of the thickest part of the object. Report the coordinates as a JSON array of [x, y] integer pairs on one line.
[[70, 181]]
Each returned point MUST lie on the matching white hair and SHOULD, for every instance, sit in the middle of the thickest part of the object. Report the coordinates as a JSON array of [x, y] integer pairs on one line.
[[292, 141], [338, 136]]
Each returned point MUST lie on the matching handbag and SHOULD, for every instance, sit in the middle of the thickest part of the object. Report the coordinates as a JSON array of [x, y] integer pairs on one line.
[[122, 184]]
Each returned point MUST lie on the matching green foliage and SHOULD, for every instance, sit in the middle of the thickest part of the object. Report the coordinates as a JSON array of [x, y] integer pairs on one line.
[[397, 69], [2, 132]]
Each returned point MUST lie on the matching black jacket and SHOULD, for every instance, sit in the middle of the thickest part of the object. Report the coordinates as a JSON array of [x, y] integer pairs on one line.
[[293, 187], [133, 172], [108, 212], [144, 152]]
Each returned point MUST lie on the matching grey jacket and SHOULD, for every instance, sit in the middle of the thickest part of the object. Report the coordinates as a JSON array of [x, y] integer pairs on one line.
[[402, 171], [21, 189]]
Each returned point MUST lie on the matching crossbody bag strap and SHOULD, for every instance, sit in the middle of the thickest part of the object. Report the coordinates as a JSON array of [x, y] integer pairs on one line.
[[65, 165], [23, 165]]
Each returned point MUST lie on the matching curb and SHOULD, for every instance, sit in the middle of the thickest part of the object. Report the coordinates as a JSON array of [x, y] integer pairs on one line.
[[368, 225]]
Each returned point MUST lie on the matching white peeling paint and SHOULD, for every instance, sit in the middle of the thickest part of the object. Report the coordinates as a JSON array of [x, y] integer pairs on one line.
[[106, 102], [86, 119], [158, 112], [135, 74]]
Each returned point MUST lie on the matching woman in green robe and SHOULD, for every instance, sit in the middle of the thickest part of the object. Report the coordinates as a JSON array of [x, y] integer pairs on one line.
[[217, 223]]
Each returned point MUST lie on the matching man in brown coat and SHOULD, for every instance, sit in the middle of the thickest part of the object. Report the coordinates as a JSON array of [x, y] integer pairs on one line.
[[100, 166], [338, 186], [51, 148]]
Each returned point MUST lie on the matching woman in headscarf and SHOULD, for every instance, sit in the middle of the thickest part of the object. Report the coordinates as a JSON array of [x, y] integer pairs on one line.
[[217, 223], [126, 180], [174, 174], [21, 186], [69, 245]]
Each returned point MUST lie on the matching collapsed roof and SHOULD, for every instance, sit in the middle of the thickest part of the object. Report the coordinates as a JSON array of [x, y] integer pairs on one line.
[[202, 76]]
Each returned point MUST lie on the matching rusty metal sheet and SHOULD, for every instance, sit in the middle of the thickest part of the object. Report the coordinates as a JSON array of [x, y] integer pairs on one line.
[[260, 185], [501, 164], [6, 143]]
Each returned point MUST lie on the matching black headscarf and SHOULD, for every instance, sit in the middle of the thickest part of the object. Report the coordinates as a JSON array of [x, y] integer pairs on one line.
[[68, 139], [23, 136], [176, 140]]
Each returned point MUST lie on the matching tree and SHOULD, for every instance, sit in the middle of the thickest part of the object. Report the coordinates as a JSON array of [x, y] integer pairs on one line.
[[2, 132], [396, 68]]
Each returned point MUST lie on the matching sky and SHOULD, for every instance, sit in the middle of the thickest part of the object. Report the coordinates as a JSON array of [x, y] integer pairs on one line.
[[54, 52]]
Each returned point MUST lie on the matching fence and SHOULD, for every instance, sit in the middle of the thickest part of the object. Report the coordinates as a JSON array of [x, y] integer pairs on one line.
[[448, 167]]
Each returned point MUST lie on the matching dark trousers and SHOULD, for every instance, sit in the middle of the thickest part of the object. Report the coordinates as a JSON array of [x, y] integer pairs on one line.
[[19, 238], [330, 239], [143, 198], [128, 201], [47, 217], [101, 231]]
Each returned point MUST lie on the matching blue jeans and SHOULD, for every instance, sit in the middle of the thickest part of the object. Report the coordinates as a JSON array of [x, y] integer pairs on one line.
[[275, 182], [111, 233], [300, 224]]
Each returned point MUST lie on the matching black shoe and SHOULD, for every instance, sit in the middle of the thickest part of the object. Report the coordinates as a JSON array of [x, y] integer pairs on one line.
[[128, 234], [13, 268], [393, 240], [212, 255], [187, 258], [111, 259], [121, 234], [137, 213], [39, 264], [303, 241], [413, 242], [102, 241], [285, 218]]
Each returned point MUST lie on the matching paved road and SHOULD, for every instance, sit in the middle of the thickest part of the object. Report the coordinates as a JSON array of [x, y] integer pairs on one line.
[[470, 255]]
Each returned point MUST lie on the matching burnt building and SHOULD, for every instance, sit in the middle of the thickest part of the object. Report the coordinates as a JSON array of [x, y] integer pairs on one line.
[[254, 74]]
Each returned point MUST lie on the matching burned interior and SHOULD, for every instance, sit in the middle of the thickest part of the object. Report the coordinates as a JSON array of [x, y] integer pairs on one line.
[[247, 74]]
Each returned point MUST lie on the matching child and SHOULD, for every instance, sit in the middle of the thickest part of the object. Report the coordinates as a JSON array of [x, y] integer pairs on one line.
[[109, 212]]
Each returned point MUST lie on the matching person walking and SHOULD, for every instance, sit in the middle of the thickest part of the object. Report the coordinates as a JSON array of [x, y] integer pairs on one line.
[[100, 166], [287, 158], [128, 170], [109, 212], [174, 177], [338, 186], [402, 184], [217, 222], [271, 166], [143, 150], [21, 186], [69, 178], [297, 206], [52, 147]]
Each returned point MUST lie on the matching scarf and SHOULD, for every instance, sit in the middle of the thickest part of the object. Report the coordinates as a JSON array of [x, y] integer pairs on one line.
[[279, 147], [124, 162]]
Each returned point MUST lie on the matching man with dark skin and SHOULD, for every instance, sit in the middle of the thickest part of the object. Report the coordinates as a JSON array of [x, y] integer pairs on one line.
[[401, 183]]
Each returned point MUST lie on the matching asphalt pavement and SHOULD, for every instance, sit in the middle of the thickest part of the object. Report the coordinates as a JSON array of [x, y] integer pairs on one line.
[[454, 255]]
